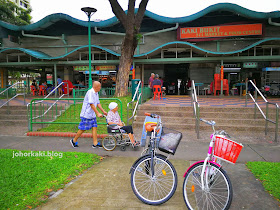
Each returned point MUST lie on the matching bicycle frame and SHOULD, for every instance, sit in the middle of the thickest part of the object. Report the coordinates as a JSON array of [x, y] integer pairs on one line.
[[209, 158]]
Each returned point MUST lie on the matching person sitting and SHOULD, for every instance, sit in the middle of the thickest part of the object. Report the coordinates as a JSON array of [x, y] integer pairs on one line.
[[158, 82], [113, 117], [34, 83]]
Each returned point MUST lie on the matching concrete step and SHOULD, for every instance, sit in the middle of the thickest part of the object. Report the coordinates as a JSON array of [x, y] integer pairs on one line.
[[227, 127], [219, 121], [14, 122], [12, 117]]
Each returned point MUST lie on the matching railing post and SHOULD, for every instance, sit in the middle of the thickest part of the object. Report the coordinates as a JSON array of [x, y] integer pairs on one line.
[[246, 93], [24, 93], [266, 121], [276, 123]]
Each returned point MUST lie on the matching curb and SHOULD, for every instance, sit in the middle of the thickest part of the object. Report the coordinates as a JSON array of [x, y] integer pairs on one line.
[[64, 134]]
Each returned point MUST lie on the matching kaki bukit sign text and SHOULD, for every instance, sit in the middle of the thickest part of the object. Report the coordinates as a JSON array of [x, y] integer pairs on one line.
[[221, 31]]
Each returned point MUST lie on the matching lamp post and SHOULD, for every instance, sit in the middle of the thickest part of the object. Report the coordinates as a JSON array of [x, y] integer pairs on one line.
[[89, 12]]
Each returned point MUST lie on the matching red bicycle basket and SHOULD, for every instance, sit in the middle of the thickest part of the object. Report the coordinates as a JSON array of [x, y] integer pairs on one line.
[[226, 149]]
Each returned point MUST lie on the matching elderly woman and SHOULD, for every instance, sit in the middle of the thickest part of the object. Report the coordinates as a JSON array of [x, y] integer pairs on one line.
[[113, 117]]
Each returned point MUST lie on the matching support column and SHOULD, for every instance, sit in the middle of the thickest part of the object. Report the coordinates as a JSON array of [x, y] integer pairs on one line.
[[43, 75], [55, 78], [68, 74]]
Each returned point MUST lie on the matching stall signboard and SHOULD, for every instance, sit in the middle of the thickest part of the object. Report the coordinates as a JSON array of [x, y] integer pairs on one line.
[[221, 31], [271, 69], [105, 68], [81, 68], [250, 65]]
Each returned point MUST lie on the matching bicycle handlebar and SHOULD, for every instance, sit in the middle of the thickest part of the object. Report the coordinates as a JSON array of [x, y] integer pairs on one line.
[[151, 115], [212, 123]]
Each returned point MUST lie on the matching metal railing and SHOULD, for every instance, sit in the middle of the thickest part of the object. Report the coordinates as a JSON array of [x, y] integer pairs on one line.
[[18, 87], [138, 95], [265, 116], [105, 92], [63, 113], [40, 101], [196, 109]]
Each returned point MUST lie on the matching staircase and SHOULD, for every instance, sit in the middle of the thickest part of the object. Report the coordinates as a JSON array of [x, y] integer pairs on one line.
[[229, 119], [14, 116]]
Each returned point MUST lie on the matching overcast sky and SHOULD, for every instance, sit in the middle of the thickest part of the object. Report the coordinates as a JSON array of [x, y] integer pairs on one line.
[[168, 8]]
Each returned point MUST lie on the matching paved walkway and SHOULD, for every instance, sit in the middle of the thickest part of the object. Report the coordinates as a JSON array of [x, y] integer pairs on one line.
[[107, 185]]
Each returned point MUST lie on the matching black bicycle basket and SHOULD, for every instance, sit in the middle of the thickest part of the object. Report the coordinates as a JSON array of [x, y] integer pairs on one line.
[[169, 140]]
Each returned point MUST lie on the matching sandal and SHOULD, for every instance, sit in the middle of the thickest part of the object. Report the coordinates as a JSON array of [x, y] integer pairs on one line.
[[136, 143]]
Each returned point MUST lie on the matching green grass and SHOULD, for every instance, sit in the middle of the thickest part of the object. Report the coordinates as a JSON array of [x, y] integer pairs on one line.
[[269, 174], [26, 182], [73, 115]]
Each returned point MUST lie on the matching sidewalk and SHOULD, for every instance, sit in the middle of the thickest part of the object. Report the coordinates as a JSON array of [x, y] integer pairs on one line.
[[107, 185]]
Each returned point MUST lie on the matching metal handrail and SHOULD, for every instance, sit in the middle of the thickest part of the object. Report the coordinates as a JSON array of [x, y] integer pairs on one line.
[[137, 103], [37, 102], [265, 115], [19, 94], [196, 108]]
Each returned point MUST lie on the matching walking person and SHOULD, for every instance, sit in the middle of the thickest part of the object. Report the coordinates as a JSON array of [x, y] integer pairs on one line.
[[88, 115], [251, 88]]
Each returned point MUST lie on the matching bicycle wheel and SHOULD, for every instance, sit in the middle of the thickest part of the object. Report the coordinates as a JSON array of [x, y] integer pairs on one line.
[[109, 143], [157, 189], [218, 194]]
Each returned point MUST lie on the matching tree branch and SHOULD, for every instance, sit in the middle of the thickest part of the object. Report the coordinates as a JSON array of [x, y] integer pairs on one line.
[[140, 13], [131, 13], [118, 11]]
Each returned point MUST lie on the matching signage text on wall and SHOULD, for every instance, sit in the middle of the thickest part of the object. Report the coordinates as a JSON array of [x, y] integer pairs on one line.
[[221, 31]]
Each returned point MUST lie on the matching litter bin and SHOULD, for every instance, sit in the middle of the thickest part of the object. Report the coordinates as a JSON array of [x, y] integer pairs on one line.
[[134, 84]]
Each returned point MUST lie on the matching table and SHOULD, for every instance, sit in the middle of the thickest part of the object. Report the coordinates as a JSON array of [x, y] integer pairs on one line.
[[198, 85]]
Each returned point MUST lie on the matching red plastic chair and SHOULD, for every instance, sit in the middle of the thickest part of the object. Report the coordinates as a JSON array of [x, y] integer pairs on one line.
[[42, 90], [157, 91], [33, 90]]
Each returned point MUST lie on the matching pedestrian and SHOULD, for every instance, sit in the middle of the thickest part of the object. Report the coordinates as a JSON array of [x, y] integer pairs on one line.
[[151, 79], [88, 115], [251, 88], [113, 117], [59, 81]]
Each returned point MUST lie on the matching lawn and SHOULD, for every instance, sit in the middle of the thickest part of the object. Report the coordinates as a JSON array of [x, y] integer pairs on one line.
[[28, 177], [72, 115], [269, 174]]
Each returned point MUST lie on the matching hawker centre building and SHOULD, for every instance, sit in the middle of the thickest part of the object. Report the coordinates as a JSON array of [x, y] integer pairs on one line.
[[195, 47]]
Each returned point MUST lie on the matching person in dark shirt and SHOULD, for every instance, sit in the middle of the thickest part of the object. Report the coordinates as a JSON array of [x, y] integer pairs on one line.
[[251, 88]]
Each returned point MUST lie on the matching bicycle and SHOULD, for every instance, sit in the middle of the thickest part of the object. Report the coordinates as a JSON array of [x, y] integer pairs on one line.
[[213, 190], [153, 177]]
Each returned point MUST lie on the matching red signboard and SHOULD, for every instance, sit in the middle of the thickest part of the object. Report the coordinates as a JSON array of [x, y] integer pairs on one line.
[[221, 31], [222, 72]]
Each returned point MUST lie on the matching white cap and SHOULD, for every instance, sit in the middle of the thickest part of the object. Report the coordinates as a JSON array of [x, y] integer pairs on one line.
[[113, 105]]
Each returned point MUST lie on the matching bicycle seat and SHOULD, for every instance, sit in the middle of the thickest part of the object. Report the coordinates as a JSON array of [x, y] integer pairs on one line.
[[149, 126]]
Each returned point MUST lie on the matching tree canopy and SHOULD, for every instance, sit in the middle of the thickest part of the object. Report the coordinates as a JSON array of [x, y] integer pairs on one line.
[[11, 13]]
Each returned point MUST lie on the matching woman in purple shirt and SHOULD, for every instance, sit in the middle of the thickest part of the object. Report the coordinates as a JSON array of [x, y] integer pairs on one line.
[[113, 117]]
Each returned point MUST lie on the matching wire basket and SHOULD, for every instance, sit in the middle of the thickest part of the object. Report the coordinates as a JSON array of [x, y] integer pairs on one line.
[[226, 149], [169, 140]]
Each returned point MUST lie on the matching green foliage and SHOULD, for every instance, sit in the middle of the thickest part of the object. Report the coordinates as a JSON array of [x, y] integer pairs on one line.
[[26, 182], [11, 13], [268, 173]]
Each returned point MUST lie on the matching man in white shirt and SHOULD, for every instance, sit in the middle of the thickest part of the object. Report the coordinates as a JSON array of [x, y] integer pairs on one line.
[[88, 115]]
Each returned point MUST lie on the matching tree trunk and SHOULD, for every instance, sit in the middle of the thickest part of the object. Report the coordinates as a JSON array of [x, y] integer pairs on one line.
[[128, 47]]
